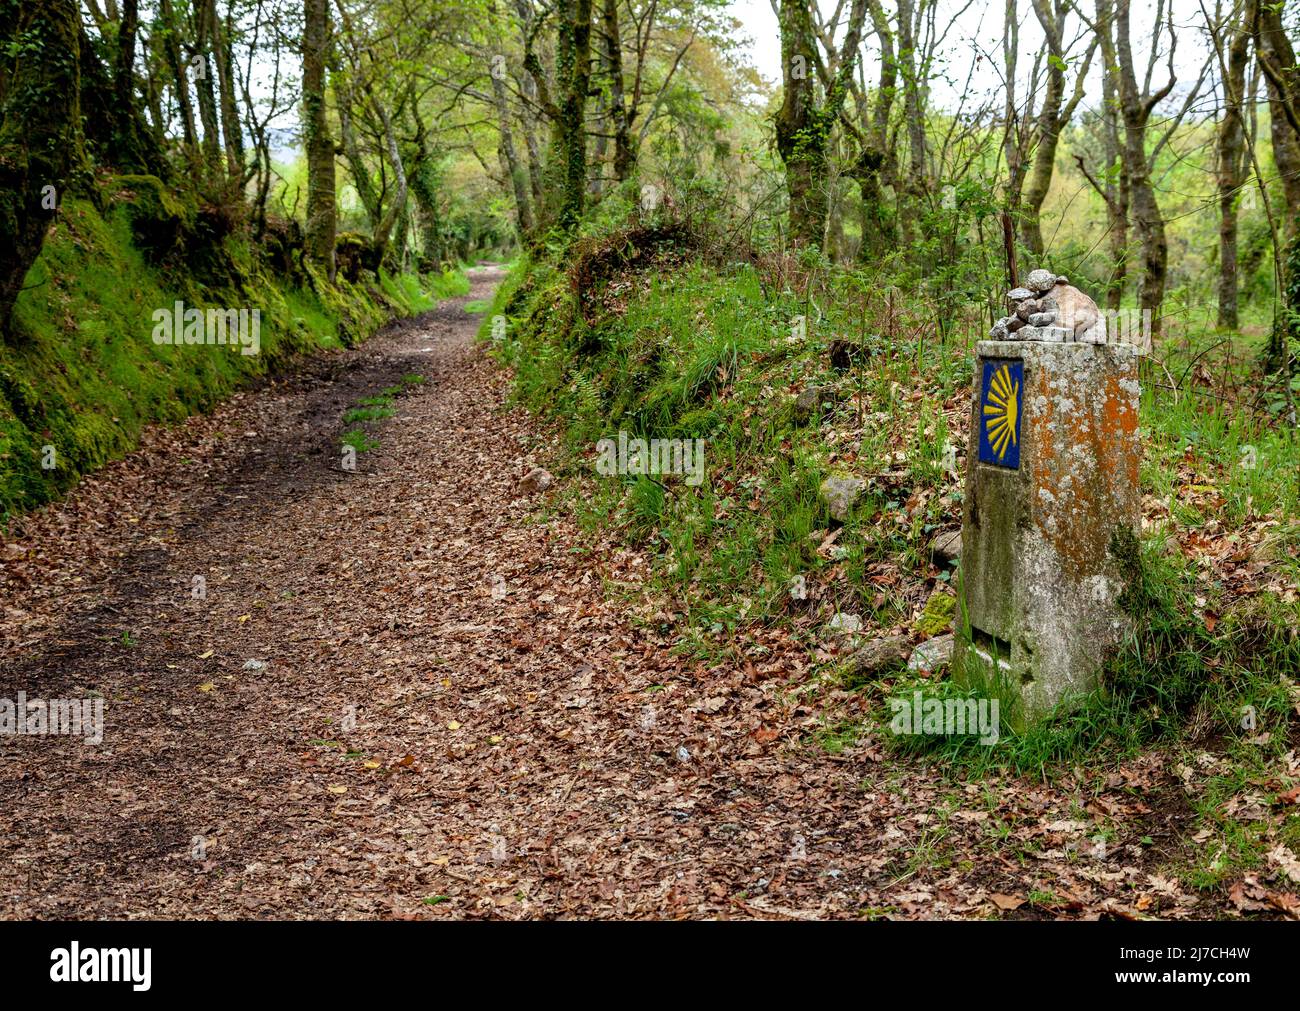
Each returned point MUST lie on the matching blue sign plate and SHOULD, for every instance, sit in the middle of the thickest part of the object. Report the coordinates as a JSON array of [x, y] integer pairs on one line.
[[1001, 404]]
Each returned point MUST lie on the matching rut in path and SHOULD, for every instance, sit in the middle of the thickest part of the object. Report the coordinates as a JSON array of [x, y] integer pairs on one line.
[[454, 716]]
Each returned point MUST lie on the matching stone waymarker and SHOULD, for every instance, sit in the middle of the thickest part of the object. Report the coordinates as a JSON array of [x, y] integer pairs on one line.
[[1052, 473]]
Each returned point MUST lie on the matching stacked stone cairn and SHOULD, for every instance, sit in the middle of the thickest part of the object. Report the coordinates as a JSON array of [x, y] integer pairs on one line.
[[1049, 308]]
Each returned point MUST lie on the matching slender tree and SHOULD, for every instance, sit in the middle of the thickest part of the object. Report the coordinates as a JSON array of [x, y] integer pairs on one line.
[[319, 238], [1054, 115], [1230, 157], [1136, 105], [803, 124]]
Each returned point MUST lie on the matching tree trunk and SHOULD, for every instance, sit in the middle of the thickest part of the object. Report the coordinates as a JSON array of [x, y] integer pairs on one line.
[[361, 180], [321, 214], [569, 137], [207, 99], [1230, 164], [874, 161], [802, 129], [1275, 48], [1114, 188], [134, 148], [1039, 178], [231, 128], [1148, 224], [917, 182], [398, 206], [510, 163], [424, 187], [624, 151], [40, 132], [180, 80]]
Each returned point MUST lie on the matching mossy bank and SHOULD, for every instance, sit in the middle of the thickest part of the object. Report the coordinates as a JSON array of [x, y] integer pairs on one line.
[[793, 372], [81, 372]]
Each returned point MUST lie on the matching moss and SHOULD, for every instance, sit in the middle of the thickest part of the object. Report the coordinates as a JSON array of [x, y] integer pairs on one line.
[[938, 613], [161, 219], [81, 372]]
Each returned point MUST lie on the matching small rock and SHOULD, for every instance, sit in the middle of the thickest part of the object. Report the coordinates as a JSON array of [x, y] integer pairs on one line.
[[806, 404], [255, 665], [841, 492], [932, 654], [1040, 281], [880, 657], [1019, 294], [1005, 328], [845, 622], [1042, 319], [1052, 334], [682, 754], [1027, 308], [537, 479], [946, 548]]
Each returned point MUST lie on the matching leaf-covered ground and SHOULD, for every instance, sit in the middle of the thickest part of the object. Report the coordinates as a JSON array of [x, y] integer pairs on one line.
[[448, 715]]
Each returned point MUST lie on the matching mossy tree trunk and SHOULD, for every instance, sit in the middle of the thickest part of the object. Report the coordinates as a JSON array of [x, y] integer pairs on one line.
[[205, 18], [1230, 167], [509, 159], [573, 66], [803, 127], [424, 187], [40, 130], [170, 32], [135, 147], [1112, 187], [566, 165], [231, 129], [876, 161], [624, 146], [321, 214], [510, 163], [1135, 107], [1278, 62]]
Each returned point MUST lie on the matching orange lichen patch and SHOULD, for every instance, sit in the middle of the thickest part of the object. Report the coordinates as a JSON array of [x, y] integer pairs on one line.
[[1083, 456]]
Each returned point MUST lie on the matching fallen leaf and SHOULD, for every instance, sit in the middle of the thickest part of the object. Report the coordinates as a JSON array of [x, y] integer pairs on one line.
[[1286, 861]]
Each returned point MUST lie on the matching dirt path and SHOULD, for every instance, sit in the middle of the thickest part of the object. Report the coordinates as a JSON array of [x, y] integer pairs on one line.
[[418, 745]]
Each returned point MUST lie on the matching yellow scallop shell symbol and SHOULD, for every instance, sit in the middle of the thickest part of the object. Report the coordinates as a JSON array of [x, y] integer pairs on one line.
[[1000, 411]]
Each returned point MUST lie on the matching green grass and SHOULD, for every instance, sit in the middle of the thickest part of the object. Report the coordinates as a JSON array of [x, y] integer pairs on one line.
[[359, 440], [372, 409], [1174, 676], [356, 415], [704, 351], [447, 284], [81, 373], [703, 354]]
